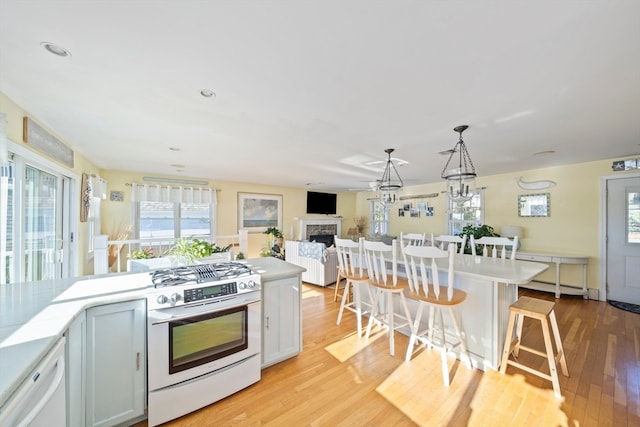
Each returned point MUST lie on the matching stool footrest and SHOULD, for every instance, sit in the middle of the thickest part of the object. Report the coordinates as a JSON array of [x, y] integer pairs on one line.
[[533, 351], [530, 370]]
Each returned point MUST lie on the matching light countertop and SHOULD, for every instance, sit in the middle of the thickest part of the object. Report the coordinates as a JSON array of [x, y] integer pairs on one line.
[[33, 316]]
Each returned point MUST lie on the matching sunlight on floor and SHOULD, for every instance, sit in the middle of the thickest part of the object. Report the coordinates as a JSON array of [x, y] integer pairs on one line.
[[348, 346], [311, 293], [473, 399]]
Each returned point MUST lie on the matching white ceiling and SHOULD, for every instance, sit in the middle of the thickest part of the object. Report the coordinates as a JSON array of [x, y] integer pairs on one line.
[[308, 91]]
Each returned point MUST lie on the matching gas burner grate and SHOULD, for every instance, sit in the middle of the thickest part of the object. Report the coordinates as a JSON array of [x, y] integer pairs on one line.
[[198, 273]]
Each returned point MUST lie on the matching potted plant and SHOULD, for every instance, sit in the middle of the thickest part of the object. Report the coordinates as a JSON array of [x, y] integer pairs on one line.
[[186, 251], [144, 253], [477, 232], [275, 243]]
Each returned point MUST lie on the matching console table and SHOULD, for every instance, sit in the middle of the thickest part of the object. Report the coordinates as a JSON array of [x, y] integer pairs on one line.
[[558, 260]]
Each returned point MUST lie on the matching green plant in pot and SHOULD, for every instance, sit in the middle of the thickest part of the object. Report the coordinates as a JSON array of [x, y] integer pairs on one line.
[[275, 244], [190, 249], [477, 232]]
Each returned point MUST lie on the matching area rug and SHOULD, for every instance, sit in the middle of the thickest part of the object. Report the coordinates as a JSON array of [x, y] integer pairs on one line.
[[634, 308]]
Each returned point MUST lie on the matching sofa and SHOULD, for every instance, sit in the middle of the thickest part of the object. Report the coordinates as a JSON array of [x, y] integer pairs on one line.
[[321, 262]]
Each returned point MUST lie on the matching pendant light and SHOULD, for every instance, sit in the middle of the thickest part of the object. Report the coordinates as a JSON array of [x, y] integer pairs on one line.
[[461, 176], [389, 185]]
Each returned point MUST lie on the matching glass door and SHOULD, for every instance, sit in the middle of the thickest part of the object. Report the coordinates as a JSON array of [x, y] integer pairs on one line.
[[36, 239]]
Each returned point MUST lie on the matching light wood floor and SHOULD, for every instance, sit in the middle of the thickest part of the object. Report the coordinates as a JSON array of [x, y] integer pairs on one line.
[[340, 380]]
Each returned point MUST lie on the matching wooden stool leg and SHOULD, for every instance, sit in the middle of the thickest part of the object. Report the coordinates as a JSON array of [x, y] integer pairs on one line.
[[414, 331], [463, 345], [335, 292], [519, 323], [556, 335], [551, 358], [508, 341], [374, 312], [344, 301]]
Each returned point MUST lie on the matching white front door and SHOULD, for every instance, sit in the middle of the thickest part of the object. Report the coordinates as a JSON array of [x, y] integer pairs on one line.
[[623, 240]]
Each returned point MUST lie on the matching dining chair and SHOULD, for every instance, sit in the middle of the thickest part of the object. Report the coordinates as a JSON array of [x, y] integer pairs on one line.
[[498, 245], [382, 263], [444, 241], [415, 239], [425, 287], [350, 267]]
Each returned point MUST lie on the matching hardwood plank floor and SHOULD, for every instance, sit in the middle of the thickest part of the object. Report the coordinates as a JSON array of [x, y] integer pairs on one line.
[[340, 380]]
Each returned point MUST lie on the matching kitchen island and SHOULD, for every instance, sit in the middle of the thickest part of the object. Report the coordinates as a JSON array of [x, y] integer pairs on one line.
[[491, 285], [35, 316]]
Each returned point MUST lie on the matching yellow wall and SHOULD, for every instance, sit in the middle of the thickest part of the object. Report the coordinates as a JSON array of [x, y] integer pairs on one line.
[[293, 206], [573, 226], [81, 164]]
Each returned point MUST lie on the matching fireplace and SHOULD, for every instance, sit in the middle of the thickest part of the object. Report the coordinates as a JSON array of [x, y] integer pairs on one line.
[[327, 239], [318, 226]]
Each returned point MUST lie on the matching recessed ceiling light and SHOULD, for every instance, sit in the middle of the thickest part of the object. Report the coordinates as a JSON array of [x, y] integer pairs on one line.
[[175, 165], [207, 93], [55, 49], [544, 153], [174, 149]]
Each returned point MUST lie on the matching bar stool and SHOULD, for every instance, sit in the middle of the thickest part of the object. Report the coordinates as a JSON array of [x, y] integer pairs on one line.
[[543, 311]]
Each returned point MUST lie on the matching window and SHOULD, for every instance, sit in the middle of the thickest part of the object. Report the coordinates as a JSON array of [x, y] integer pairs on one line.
[[163, 211], [173, 220], [470, 213], [633, 217], [379, 218]]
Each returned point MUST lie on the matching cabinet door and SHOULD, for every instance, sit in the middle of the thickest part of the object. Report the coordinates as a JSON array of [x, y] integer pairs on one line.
[[76, 363], [115, 363], [281, 319]]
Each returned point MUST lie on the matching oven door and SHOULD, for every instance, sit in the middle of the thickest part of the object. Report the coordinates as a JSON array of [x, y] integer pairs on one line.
[[186, 342]]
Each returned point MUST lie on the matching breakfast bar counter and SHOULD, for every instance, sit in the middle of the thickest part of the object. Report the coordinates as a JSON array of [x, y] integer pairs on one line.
[[491, 285]]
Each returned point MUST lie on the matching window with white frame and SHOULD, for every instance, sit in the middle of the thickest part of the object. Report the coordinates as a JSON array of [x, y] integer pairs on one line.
[[173, 212], [379, 218], [469, 213]]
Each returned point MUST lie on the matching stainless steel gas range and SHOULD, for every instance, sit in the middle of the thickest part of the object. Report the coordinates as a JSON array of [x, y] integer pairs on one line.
[[203, 333]]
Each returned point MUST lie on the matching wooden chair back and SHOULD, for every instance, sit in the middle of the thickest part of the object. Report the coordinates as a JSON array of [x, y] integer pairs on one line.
[[422, 270], [444, 241], [350, 256], [382, 262], [413, 239], [495, 246]]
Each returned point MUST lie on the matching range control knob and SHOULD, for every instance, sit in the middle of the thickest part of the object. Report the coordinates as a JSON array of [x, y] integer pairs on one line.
[[251, 284], [242, 285], [162, 299], [175, 297]]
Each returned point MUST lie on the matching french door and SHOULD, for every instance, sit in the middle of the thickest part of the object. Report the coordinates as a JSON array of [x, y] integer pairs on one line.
[[36, 240]]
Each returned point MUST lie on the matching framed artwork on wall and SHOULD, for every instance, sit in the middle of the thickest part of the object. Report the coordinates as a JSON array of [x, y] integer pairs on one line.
[[257, 212]]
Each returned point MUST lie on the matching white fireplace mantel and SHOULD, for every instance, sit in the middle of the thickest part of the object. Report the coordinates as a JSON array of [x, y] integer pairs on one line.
[[303, 222]]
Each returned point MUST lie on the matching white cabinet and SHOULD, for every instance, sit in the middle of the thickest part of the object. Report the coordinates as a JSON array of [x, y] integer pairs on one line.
[[282, 319], [115, 363], [76, 339]]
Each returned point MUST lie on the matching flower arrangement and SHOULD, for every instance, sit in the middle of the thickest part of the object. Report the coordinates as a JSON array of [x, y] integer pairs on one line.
[[361, 224]]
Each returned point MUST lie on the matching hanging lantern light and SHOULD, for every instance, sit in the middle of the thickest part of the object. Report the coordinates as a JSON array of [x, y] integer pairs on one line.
[[390, 184], [461, 176]]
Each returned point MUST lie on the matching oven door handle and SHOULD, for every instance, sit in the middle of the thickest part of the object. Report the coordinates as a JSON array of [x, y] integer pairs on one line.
[[171, 318]]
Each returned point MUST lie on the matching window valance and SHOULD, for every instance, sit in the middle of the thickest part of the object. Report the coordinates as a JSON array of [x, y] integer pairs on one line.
[[168, 193]]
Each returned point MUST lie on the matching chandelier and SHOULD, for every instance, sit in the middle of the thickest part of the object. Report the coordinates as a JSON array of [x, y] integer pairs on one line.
[[388, 186], [461, 177]]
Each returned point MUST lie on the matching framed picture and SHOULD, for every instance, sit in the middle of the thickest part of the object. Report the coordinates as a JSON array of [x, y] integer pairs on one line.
[[406, 206], [400, 212], [421, 206], [414, 213], [116, 196], [257, 212]]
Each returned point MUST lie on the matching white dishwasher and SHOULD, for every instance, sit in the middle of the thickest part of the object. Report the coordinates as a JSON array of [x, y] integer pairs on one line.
[[40, 400]]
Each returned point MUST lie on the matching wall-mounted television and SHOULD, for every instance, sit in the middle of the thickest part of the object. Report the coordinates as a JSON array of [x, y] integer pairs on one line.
[[321, 203]]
